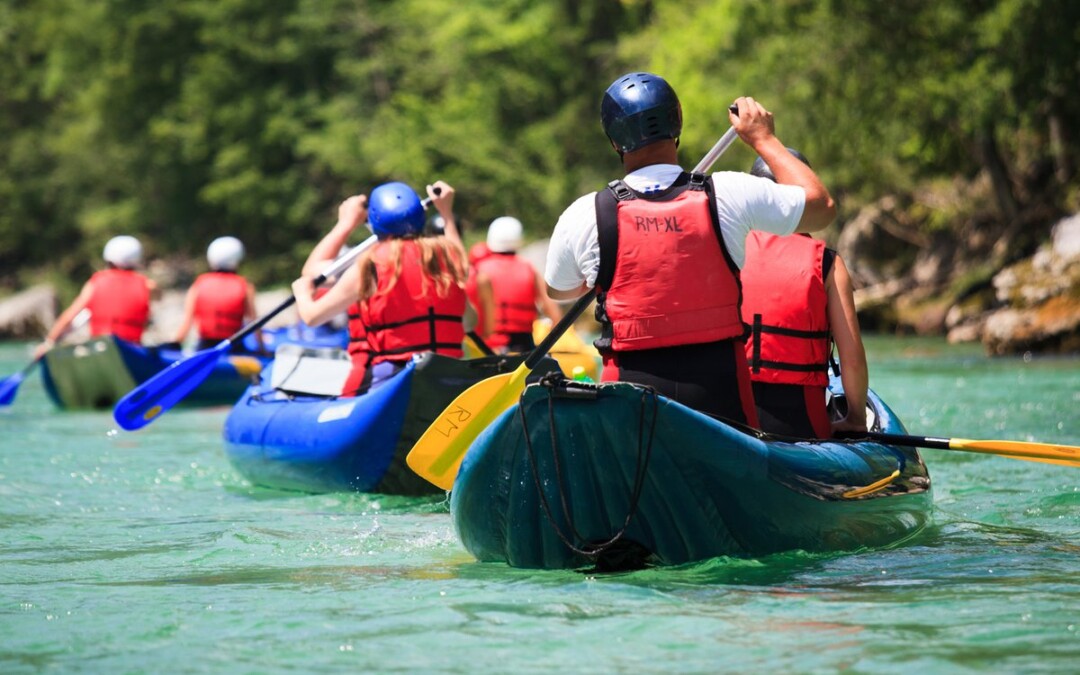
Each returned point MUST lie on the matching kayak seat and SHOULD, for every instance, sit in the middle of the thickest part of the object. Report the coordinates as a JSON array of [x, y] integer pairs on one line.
[[320, 371]]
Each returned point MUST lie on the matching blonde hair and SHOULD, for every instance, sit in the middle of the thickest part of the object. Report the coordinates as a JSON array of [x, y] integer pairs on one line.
[[442, 263]]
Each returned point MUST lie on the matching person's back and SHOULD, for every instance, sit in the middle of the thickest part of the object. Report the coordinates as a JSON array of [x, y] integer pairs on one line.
[[513, 287], [219, 301], [117, 298], [784, 303], [509, 290], [664, 248], [668, 297], [404, 296], [410, 312], [795, 292], [119, 304]]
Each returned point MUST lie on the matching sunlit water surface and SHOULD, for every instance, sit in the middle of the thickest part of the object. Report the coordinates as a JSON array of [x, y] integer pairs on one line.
[[147, 552]]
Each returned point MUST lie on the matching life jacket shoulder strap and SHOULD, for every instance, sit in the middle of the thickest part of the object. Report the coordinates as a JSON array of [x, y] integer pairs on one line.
[[607, 228]]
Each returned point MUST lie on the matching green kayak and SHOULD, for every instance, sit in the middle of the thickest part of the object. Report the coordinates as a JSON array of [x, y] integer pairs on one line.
[[617, 476]]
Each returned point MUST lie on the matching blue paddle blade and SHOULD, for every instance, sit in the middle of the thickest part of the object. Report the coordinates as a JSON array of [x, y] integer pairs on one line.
[[145, 403], [9, 387]]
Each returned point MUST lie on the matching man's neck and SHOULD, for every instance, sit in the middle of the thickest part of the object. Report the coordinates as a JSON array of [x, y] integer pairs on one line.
[[662, 152]]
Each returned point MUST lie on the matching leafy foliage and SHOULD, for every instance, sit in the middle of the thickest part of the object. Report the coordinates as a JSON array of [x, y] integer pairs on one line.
[[183, 121]]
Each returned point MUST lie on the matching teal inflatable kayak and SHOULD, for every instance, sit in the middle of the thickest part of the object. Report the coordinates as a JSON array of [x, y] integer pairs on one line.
[[97, 373], [616, 476]]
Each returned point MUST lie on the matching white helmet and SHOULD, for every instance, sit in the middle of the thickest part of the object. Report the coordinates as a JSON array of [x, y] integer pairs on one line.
[[504, 235], [124, 251], [225, 253]]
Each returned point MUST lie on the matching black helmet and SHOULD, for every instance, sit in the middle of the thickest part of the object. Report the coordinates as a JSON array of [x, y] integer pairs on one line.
[[639, 109], [762, 170]]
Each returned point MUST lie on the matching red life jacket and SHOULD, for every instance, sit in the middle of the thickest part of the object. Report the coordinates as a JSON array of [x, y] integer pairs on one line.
[[666, 278], [411, 317], [119, 304], [220, 300], [513, 283], [359, 351], [784, 301]]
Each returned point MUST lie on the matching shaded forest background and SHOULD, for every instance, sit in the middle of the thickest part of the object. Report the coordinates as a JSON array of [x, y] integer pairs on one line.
[[186, 120]]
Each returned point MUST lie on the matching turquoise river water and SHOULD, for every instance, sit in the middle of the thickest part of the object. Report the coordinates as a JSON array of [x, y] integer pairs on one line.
[[147, 553]]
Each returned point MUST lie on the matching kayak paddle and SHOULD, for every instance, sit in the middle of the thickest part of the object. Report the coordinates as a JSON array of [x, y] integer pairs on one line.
[[437, 456], [143, 404], [9, 386], [1051, 453]]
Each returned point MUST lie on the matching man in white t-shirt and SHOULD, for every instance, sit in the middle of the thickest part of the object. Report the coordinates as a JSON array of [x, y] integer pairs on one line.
[[664, 248]]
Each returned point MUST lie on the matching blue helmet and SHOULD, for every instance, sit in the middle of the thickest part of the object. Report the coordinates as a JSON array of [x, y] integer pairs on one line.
[[762, 170], [639, 109], [394, 210]]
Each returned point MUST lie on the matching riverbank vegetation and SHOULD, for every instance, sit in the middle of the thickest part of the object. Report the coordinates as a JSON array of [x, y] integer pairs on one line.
[[183, 121]]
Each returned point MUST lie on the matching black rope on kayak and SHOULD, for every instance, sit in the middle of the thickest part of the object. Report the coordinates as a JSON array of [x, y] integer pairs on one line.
[[551, 382]]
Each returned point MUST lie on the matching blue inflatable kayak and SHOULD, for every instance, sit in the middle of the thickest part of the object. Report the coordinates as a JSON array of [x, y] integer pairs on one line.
[[98, 372], [292, 441], [618, 477]]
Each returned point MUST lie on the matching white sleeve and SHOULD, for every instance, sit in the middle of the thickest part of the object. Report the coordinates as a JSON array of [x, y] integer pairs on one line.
[[574, 252], [746, 202]]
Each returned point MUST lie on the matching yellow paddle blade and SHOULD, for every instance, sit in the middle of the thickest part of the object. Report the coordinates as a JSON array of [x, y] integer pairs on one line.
[[438, 454], [1051, 453], [246, 366]]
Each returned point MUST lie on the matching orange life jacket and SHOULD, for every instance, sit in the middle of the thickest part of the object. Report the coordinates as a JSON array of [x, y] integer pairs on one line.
[[119, 304], [411, 317], [220, 301], [666, 278], [785, 301], [513, 284]]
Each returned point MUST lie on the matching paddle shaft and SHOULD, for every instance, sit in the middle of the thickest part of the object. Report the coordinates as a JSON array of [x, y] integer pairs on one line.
[[558, 329], [719, 148], [901, 439], [1039, 452]]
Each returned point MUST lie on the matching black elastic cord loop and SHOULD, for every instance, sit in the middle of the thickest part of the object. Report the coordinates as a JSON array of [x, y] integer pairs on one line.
[[550, 382]]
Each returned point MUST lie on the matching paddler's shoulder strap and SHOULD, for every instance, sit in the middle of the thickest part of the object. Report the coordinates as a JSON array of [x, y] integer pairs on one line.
[[607, 228]]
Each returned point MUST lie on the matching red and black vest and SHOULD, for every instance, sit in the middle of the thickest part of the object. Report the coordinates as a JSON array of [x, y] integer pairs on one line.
[[411, 317], [220, 301], [119, 304], [785, 301], [358, 344], [665, 277], [359, 351], [513, 284]]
